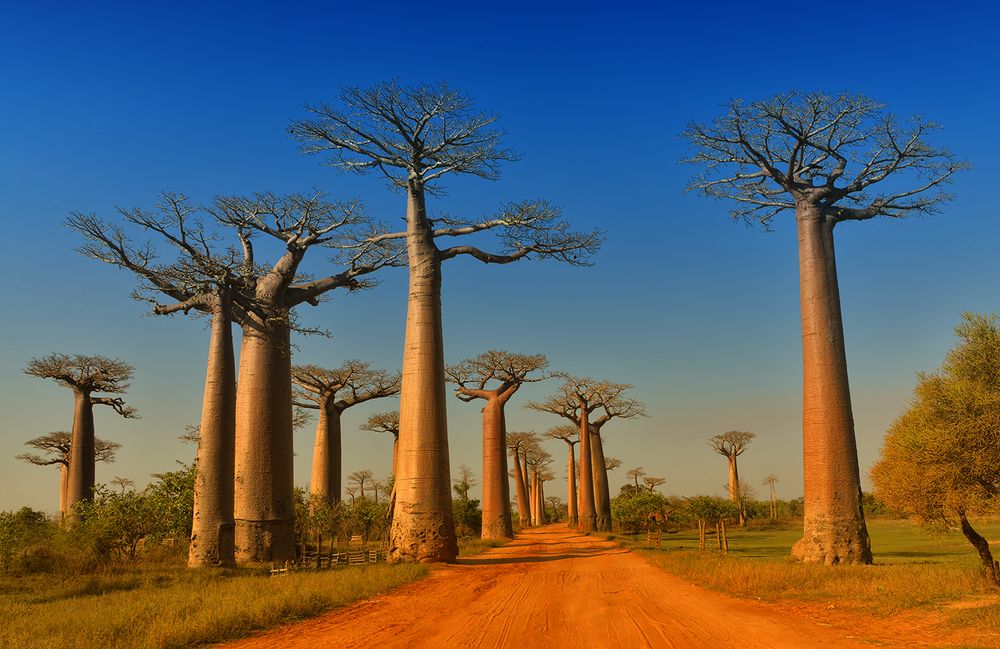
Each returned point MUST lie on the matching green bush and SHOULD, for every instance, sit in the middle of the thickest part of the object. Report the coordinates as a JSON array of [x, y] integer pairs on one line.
[[638, 510]]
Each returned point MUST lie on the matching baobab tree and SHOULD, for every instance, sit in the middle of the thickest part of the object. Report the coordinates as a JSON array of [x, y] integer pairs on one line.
[[332, 392], [56, 446], [359, 478], [221, 276], [87, 377], [202, 279], [830, 159], [415, 136], [538, 461], [495, 376], [770, 481], [730, 445], [652, 483], [517, 442], [636, 474], [385, 422], [577, 400], [465, 482], [569, 434]]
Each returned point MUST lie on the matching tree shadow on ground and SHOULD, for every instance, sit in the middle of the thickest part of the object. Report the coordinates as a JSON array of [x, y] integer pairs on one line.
[[580, 554]]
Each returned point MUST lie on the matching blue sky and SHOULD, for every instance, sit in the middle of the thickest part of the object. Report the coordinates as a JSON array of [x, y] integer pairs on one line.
[[108, 104]]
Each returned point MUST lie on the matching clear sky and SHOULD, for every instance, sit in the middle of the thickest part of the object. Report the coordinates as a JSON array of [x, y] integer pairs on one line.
[[105, 104]]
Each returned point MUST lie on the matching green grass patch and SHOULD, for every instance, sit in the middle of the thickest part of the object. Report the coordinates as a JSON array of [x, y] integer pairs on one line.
[[175, 607], [913, 569], [470, 546]]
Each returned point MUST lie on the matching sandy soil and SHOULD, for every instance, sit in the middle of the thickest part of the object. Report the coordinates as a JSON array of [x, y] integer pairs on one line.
[[555, 588]]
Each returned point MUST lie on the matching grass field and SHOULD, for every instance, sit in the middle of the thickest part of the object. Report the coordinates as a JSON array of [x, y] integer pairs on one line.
[[146, 606], [913, 568]]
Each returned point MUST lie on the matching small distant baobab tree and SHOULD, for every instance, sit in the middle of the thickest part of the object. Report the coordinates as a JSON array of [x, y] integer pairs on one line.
[[465, 481], [652, 483], [56, 446], [385, 422], [770, 481], [495, 376], [731, 445], [122, 482], [332, 392], [538, 461], [415, 136], [358, 479], [577, 400], [517, 443], [569, 434], [88, 377], [830, 159], [636, 474]]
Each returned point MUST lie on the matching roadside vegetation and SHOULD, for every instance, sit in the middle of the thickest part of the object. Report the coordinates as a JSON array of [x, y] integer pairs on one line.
[[913, 568]]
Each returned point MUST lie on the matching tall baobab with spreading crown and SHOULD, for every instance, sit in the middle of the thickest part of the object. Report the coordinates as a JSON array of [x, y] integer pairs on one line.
[[251, 431], [577, 400], [571, 436], [57, 446], [495, 376], [202, 279], [415, 136], [332, 392], [830, 159], [86, 376]]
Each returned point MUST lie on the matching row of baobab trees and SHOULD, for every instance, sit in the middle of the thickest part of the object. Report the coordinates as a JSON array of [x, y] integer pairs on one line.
[[823, 157], [218, 265]]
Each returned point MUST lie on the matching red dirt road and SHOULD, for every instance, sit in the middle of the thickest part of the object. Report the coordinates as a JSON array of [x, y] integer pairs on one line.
[[555, 588]]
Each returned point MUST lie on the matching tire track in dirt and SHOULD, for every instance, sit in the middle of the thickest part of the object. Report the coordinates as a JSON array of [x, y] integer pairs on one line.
[[552, 587]]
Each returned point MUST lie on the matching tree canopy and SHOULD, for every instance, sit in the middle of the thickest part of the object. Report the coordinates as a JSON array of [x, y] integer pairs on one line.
[[940, 457]]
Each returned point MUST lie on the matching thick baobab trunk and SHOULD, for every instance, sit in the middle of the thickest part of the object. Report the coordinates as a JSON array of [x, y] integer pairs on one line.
[[588, 515], [991, 569], [496, 489], [543, 515], [423, 528], [212, 533], [395, 454], [63, 489], [265, 506], [523, 510], [327, 449], [602, 493], [80, 483], [571, 513], [834, 528]]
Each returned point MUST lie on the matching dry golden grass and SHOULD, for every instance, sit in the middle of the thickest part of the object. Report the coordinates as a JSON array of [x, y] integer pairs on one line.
[[912, 569], [176, 608]]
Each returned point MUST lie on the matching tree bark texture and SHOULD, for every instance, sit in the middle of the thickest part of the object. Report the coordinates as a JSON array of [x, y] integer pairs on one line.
[[82, 463], [212, 529], [265, 507], [588, 514], [496, 488], [327, 451], [602, 493], [734, 478], [834, 528], [423, 527], [572, 518], [523, 509]]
